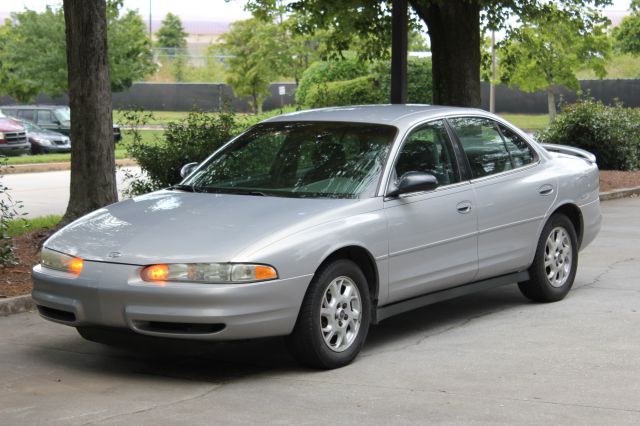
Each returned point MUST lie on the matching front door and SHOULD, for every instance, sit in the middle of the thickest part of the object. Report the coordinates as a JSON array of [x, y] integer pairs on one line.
[[433, 234]]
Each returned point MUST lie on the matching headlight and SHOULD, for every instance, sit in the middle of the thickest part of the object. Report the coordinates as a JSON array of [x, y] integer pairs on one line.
[[45, 142], [61, 262], [1, 135], [212, 273]]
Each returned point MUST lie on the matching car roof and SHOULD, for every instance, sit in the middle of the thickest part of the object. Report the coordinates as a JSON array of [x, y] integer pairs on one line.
[[395, 115]]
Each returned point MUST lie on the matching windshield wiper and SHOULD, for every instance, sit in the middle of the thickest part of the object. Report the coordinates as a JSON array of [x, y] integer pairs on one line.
[[181, 187]]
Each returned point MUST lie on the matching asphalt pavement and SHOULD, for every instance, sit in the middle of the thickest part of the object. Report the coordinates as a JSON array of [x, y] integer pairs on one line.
[[47, 193], [489, 358]]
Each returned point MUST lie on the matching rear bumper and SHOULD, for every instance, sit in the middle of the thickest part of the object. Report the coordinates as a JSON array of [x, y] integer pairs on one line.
[[113, 295], [592, 221]]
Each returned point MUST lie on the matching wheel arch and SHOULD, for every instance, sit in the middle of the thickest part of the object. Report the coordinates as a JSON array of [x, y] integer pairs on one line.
[[575, 216], [365, 261]]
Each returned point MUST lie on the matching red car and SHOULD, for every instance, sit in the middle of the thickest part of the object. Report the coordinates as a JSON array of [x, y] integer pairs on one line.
[[13, 137]]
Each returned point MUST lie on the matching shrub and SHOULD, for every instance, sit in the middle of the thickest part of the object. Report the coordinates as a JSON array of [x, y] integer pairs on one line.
[[359, 91], [328, 71], [9, 212], [612, 133], [189, 140], [419, 86]]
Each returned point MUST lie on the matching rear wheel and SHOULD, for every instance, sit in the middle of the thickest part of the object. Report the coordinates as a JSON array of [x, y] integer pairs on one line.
[[334, 317], [554, 267]]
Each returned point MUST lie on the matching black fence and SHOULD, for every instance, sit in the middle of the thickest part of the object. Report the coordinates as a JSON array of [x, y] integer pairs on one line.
[[183, 97], [209, 97], [511, 100]]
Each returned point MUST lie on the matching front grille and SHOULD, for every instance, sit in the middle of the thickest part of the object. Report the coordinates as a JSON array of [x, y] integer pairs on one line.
[[60, 142], [15, 137]]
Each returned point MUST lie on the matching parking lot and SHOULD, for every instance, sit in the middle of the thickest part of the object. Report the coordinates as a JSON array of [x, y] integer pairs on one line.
[[489, 358]]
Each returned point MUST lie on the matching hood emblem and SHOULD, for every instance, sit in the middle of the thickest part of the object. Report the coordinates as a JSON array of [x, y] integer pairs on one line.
[[114, 254]]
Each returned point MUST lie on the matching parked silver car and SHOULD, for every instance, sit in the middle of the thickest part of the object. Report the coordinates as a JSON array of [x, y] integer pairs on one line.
[[316, 224]]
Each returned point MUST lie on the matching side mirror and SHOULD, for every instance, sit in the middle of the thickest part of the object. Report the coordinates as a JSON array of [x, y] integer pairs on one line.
[[414, 182], [187, 169]]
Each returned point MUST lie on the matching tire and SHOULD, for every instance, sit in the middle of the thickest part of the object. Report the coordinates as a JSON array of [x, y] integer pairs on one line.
[[312, 343], [550, 277]]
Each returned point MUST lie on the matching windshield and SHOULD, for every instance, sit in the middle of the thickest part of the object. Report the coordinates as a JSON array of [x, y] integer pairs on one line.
[[301, 159], [30, 126], [63, 114]]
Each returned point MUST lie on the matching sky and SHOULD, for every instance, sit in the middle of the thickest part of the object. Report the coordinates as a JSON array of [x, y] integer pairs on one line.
[[213, 10]]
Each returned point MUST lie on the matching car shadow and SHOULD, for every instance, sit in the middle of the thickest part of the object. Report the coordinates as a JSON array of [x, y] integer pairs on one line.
[[217, 362]]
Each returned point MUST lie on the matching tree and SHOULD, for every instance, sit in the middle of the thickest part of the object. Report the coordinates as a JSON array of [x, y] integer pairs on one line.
[[33, 57], [93, 182], [627, 34], [548, 51], [454, 32], [255, 58], [171, 34]]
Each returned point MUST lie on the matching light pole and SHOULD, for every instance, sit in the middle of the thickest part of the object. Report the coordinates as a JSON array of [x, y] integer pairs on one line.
[[492, 83], [150, 33]]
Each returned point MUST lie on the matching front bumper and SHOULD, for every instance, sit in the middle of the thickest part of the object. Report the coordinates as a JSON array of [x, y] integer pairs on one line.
[[55, 148], [113, 295], [15, 149]]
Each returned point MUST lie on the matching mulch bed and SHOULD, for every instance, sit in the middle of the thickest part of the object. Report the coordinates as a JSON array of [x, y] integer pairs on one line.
[[16, 280]]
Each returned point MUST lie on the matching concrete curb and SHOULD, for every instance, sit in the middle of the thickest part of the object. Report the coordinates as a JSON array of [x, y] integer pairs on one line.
[[16, 305], [619, 193], [55, 167]]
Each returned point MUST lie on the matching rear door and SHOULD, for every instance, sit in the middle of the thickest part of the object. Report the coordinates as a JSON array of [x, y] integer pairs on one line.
[[432, 234], [512, 191]]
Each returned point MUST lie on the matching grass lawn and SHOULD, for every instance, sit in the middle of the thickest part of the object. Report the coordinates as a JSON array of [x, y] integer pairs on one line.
[[21, 226], [529, 122]]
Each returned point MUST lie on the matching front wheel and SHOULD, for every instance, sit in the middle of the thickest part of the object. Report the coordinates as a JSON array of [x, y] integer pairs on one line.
[[334, 317], [555, 264]]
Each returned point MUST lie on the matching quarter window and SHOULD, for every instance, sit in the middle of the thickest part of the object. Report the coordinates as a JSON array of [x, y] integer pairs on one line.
[[428, 150], [26, 114], [483, 145], [521, 152]]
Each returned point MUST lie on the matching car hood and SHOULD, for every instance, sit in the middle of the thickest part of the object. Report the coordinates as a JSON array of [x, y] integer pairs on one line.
[[47, 134], [175, 226], [9, 125]]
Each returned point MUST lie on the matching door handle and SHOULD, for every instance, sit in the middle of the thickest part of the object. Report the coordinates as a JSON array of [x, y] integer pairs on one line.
[[464, 207], [545, 190]]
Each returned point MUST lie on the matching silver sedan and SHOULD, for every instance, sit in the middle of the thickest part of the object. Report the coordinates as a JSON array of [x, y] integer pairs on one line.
[[316, 224]]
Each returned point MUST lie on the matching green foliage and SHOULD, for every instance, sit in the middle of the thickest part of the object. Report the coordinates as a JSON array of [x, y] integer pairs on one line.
[[419, 83], [33, 52], [612, 133], [627, 33], [255, 58], [9, 212], [359, 91], [326, 72], [18, 227], [550, 50], [130, 55], [189, 140], [171, 33]]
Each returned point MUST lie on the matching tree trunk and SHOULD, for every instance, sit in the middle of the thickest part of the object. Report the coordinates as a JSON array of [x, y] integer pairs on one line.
[[454, 31], [551, 103], [93, 182]]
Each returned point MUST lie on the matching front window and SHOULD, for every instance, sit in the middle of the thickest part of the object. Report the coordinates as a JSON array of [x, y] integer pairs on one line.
[[301, 159]]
